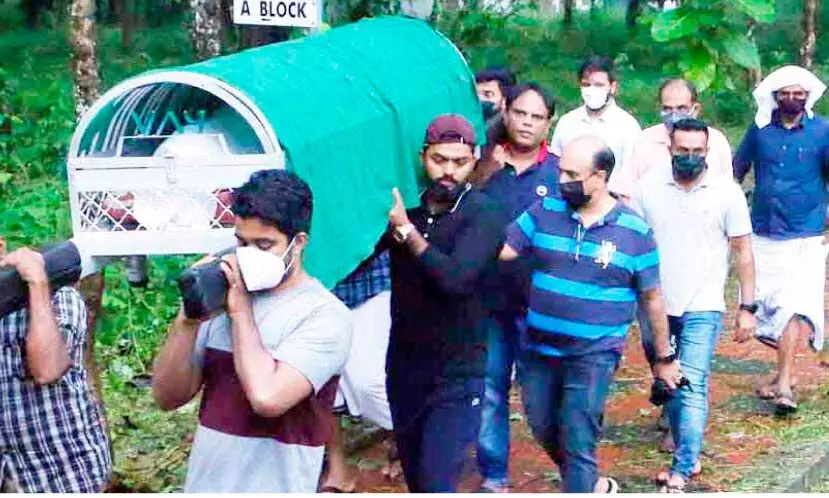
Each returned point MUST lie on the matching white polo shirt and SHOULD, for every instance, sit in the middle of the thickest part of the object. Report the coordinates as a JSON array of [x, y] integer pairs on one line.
[[615, 126], [692, 231]]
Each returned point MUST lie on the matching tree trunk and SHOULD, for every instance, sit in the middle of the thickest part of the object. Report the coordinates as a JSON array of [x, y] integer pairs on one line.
[[84, 65], [206, 28], [753, 76], [568, 12], [807, 48], [86, 89], [126, 14], [92, 290], [634, 8], [256, 36], [451, 5]]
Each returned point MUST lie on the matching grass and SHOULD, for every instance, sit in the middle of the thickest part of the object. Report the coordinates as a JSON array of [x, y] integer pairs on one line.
[[822, 486]]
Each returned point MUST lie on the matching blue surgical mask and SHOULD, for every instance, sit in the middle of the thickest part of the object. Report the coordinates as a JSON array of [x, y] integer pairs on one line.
[[670, 118]]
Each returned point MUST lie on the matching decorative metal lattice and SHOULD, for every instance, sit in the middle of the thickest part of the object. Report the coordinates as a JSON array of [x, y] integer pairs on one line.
[[166, 210]]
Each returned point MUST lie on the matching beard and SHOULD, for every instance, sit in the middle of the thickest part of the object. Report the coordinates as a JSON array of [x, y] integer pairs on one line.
[[441, 193]]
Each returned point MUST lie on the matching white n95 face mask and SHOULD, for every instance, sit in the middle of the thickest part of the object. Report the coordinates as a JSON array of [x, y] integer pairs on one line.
[[262, 270], [595, 97]]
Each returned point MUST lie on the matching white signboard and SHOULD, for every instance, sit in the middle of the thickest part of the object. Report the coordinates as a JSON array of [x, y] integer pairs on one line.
[[300, 13]]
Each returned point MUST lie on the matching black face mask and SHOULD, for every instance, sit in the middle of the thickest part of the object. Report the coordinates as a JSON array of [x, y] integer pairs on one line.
[[791, 107], [489, 109], [687, 167], [573, 194]]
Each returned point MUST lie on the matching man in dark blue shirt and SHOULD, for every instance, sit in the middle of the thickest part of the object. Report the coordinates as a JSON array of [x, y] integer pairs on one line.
[[788, 146], [596, 258], [521, 173]]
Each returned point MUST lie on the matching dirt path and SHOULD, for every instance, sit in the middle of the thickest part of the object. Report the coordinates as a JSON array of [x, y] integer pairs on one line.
[[741, 429]]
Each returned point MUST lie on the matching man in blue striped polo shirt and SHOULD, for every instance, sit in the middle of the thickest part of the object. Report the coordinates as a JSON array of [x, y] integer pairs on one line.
[[596, 257]]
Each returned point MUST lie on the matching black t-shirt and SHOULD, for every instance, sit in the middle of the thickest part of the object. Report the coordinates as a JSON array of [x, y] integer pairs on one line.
[[437, 314]]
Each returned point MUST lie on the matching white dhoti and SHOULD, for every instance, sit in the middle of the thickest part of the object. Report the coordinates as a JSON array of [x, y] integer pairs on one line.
[[790, 280], [363, 380]]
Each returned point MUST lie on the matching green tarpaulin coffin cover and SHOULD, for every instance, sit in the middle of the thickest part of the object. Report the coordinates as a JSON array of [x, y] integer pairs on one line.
[[350, 108]]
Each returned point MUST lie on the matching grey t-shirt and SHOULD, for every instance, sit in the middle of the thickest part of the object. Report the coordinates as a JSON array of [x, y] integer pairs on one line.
[[235, 449]]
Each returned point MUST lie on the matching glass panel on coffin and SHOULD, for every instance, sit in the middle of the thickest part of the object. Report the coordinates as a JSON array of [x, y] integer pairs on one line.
[[156, 168]]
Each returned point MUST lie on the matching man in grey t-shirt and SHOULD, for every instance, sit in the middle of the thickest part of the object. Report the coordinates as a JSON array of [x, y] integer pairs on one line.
[[267, 367]]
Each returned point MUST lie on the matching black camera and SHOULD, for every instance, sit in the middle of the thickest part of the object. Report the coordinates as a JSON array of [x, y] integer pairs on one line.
[[661, 393], [204, 288], [63, 267]]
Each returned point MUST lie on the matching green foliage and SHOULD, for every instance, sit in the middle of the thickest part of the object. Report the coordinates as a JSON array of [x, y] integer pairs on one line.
[[716, 38]]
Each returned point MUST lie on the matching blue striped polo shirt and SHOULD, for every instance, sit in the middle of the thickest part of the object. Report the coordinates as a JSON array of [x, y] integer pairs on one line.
[[586, 282]]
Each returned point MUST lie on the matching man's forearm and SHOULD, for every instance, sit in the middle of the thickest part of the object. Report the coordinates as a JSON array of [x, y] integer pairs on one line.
[[254, 364], [655, 308], [175, 375], [47, 357], [744, 267]]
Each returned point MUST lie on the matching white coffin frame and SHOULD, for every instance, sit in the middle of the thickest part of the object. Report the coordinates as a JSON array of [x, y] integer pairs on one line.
[[101, 174]]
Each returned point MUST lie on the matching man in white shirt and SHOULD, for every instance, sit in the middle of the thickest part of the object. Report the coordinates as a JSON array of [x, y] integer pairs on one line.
[[696, 218], [600, 115], [678, 99]]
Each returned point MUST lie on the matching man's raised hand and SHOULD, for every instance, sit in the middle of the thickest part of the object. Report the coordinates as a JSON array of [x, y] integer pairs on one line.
[[397, 214]]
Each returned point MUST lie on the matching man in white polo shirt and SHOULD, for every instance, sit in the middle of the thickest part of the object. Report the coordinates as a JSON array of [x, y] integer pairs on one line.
[[678, 99], [600, 115], [696, 217]]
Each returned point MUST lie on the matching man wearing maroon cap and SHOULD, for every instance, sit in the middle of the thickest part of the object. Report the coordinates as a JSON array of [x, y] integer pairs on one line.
[[436, 359]]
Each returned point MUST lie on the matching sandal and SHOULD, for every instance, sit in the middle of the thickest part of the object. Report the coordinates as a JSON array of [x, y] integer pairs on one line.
[[784, 404], [768, 391], [662, 477], [672, 487], [612, 485], [392, 468]]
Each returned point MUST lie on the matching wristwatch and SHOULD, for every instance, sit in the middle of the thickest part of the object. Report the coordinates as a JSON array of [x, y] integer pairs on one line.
[[667, 360], [402, 232], [751, 308]]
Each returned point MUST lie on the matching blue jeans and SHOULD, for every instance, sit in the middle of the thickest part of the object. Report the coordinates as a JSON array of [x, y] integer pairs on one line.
[[493, 441], [696, 334], [436, 423], [564, 399]]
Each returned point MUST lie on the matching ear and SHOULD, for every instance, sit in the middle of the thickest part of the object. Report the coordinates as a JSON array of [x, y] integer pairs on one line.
[[2, 247], [697, 108], [300, 241], [614, 87]]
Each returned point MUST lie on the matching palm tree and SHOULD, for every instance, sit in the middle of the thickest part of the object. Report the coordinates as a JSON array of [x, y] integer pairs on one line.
[[206, 28], [85, 75], [86, 90], [809, 23]]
